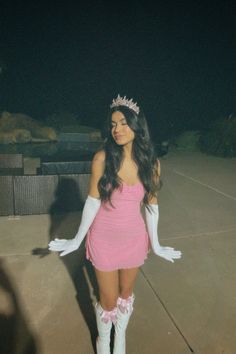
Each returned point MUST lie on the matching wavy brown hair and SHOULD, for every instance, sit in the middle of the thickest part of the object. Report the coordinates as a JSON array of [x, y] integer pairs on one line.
[[142, 153]]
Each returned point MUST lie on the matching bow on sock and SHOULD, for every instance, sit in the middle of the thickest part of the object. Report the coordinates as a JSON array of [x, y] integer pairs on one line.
[[125, 305], [107, 316]]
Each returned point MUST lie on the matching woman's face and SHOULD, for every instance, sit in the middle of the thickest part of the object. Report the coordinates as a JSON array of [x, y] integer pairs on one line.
[[121, 132]]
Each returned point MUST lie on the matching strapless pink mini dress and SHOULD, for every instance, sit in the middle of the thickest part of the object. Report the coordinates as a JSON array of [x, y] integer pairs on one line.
[[117, 238]]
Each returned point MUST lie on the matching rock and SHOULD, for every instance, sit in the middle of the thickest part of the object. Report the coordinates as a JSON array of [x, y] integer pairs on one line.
[[22, 135], [45, 133], [15, 136], [20, 128], [6, 138]]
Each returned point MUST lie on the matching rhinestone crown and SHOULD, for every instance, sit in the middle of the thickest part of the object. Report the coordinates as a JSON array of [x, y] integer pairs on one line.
[[123, 101]]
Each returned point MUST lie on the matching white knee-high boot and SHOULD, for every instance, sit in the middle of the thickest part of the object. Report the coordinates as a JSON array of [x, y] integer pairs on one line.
[[104, 323], [124, 311]]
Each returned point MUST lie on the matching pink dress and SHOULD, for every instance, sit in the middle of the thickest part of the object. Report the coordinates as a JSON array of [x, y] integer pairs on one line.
[[117, 238]]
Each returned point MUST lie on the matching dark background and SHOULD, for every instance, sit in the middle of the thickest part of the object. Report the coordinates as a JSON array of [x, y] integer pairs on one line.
[[176, 59]]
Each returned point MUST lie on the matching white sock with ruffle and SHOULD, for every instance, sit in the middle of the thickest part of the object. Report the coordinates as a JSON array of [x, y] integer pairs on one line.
[[104, 324], [124, 311]]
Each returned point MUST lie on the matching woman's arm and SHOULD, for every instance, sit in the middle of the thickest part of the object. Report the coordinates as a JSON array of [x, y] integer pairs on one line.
[[152, 219], [156, 178], [97, 170], [91, 207]]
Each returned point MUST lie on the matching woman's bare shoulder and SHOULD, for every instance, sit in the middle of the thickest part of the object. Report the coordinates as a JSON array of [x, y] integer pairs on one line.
[[98, 163], [158, 167], [100, 156], [97, 170]]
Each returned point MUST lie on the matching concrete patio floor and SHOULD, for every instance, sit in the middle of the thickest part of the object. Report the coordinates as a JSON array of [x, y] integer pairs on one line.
[[46, 302]]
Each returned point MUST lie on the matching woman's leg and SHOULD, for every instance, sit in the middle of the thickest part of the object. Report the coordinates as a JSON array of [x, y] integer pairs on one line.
[[108, 284], [127, 279], [125, 302], [106, 311]]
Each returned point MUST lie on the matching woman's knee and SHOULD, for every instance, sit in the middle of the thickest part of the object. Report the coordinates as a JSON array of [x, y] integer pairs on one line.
[[108, 301]]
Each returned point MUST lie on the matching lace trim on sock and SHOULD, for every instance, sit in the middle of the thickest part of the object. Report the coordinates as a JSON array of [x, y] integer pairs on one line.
[[125, 305], [107, 316]]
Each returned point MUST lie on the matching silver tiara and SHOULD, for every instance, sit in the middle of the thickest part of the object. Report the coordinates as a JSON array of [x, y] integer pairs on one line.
[[123, 101]]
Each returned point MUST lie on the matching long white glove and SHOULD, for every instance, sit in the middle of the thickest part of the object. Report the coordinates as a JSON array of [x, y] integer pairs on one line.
[[152, 218], [90, 210]]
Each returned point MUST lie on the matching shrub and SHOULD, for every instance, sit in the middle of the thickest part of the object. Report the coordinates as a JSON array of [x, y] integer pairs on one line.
[[188, 141], [220, 139]]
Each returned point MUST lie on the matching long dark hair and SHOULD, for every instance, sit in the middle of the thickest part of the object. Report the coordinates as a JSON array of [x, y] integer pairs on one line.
[[142, 153]]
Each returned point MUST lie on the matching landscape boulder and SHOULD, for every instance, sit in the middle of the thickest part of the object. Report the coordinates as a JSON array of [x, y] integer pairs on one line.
[[20, 128]]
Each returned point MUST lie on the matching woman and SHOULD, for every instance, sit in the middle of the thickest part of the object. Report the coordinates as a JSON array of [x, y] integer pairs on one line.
[[125, 174]]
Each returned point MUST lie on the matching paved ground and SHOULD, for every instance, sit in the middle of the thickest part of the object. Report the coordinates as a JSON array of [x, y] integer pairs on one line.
[[185, 307]]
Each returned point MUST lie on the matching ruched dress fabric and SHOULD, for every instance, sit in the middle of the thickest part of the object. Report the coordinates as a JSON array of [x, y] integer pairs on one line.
[[117, 238]]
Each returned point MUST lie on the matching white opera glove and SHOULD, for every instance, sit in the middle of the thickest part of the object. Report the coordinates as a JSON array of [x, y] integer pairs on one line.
[[90, 210], [152, 218]]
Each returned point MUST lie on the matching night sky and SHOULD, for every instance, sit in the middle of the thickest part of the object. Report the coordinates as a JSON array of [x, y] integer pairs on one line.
[[176, 59]]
